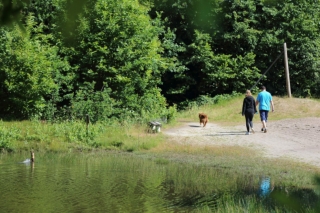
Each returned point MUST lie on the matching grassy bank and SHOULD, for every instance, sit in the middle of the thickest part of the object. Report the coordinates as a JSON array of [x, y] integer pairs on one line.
[[66, 136], [74, 136]]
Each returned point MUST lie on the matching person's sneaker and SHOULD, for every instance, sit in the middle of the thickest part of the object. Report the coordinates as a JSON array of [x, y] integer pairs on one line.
[[265, 130], [252, 130], [262, 129], [247, 133]]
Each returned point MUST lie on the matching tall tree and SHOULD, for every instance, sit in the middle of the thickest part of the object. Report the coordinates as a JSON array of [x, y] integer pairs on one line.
[[28, 67], [210, 67], [118, 50]]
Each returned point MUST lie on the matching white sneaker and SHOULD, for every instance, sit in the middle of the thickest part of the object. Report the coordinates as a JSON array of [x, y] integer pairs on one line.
[[252, 130], [247, 133]]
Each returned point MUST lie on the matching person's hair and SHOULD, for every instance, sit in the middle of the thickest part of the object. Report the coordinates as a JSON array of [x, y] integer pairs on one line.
[[248, 92], [263, 87]]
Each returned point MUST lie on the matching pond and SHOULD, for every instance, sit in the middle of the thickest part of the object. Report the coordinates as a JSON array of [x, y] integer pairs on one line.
[[114, 182]]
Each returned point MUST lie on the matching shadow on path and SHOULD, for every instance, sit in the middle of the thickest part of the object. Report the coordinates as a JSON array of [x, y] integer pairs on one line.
[[194, 126], [226, 133]]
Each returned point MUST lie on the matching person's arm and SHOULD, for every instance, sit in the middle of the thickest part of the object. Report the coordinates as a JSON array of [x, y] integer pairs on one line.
[[243, 107], [271, 103], [255, 107], [257, 100]]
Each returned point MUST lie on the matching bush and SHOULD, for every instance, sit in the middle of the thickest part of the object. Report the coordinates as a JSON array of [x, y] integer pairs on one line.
[[205, 100], [7, 135]]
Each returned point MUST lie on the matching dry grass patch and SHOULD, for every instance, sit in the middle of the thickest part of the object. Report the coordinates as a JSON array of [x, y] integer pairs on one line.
[[214, 150], [228, 112], [295, 108]]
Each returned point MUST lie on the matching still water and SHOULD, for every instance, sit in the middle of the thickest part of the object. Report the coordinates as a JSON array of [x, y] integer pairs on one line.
[[103, 182]]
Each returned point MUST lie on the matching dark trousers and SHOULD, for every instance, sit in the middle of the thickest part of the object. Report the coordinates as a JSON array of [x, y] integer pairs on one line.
[[249, 117]]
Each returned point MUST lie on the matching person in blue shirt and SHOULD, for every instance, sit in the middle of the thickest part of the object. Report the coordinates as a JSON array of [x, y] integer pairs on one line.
[[264, 100]]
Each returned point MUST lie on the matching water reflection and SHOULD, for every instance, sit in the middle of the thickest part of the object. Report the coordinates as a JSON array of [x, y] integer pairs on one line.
[[265, 187], [124, 183]]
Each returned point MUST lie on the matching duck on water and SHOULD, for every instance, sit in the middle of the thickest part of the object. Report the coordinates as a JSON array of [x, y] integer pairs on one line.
[[31, 159]]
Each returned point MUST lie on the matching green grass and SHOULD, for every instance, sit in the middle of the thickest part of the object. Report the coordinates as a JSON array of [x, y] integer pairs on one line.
[[70, 136]]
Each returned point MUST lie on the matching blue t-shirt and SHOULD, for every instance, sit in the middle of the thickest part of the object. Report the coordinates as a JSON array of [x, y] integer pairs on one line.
[[264, 99]]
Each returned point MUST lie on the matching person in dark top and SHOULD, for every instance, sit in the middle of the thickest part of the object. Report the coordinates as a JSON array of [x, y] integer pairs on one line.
[[248, 110]]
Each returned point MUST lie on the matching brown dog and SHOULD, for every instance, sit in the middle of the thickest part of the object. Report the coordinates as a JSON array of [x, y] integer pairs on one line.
[[203, 119]]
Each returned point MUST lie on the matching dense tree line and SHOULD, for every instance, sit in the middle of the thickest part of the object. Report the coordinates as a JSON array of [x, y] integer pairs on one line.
[[131, 58]]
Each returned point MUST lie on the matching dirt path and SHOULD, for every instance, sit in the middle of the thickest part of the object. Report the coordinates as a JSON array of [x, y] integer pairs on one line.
[[298, 139]]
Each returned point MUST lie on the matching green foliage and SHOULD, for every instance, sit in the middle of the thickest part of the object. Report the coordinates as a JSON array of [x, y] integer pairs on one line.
[[172, 113], [7, 136], [76, 133], [118, 52], [130, 60], [239, 32], [45, 13], [291, 23], [244, 37], [220, 73], [28, 67], [206, 100], [96, 104], [208, 69], [10, 11], [262, 27]]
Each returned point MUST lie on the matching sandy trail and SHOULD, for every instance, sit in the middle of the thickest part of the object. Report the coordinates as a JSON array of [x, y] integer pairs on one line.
[[298, 139]]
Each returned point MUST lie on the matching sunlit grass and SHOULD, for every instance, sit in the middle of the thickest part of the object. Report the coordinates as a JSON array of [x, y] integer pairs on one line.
[[225, 111], [295, 108], [228, 112]]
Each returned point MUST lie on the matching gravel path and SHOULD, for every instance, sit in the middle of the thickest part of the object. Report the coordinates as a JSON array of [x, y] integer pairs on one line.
[[298, 139]]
